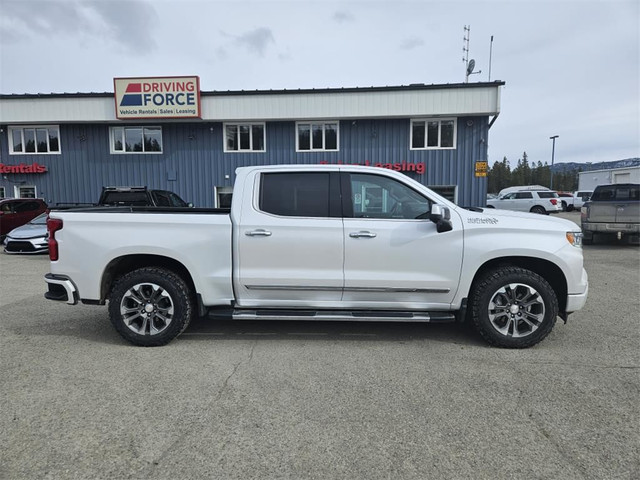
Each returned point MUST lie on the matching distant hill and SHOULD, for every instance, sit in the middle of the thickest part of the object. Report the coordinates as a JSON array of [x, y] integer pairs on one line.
[[585, 167]]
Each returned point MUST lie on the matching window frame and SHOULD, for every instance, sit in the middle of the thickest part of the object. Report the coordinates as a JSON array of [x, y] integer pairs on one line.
[[12, 128], [334, 197], [311, 123], [2, 192], [244, 124], [17, 189], [347, 194], [112, 149], [426, 121]]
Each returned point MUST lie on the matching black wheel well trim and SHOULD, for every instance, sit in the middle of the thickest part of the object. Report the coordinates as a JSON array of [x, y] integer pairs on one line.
[[545, 268], [127, 263]]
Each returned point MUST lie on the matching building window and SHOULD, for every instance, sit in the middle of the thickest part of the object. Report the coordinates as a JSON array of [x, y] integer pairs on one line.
[[2, 192], [223, 196], [36, 140], [244, 137], [317, 136], [136, 139], [450, 192], [25, 191], [433, 133]]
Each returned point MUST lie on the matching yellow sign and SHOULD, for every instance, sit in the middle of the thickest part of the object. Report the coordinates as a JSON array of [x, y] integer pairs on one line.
[[481, 169]]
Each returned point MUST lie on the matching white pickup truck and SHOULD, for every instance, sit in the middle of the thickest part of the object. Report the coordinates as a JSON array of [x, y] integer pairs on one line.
[[320, 243]]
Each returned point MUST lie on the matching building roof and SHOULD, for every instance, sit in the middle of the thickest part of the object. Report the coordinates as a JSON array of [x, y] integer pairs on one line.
[[456, 99]]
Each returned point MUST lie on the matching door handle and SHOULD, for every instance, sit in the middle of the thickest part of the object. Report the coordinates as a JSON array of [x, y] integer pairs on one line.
[[362, 234], [258, 233]]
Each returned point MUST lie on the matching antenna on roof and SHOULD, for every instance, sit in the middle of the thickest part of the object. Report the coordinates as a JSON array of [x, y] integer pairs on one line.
[[469, 64]]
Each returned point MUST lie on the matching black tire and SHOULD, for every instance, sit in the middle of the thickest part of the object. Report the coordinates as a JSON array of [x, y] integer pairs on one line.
[[512, 307], [150, 306], [570, 208], [538, 209], [564, 206]]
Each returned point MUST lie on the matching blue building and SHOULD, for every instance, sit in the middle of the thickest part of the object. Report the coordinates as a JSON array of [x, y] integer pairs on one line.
[[66, 147]]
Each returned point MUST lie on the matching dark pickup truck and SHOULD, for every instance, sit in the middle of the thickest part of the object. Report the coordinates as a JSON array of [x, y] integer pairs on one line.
[[612, 210], [140, 197]]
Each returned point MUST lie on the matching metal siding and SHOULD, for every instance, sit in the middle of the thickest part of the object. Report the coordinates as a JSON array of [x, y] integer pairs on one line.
[[193, 154], [467, 99]]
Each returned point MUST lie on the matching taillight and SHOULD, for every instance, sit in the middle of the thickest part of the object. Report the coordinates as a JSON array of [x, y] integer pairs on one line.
[[554, 201], [53, 225]]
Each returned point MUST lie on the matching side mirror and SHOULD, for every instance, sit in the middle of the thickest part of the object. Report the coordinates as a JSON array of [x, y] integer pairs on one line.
[[441, 216]]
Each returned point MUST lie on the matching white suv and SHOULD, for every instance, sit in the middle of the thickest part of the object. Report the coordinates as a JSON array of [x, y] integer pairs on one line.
[[536, 201]]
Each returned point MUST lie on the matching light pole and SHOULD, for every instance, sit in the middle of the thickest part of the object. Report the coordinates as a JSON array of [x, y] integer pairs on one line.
[[553, 154]]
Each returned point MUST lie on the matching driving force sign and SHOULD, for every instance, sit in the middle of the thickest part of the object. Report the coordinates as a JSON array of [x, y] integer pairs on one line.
[[157, 97]]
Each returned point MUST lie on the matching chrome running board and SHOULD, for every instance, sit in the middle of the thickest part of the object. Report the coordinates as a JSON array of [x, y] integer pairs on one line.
[[343, 315]]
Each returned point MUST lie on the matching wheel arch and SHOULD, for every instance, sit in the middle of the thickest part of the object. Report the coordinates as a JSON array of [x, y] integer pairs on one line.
[[128, 263], [546, 269]]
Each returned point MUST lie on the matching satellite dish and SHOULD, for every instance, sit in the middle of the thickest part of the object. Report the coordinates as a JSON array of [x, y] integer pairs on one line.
[[471, 66]]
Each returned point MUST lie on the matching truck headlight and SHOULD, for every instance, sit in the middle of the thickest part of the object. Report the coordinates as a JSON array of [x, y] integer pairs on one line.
[[575, 238]]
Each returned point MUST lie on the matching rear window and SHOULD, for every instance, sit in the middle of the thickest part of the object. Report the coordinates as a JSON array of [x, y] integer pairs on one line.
[[616, 193], [126, 198], [547, 194]]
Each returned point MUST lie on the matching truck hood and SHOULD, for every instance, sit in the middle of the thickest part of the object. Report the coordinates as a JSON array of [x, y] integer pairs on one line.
[[521, 220]]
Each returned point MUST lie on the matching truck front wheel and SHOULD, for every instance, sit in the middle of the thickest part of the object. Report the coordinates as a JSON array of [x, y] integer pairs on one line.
[[513, 307], [150, 306]]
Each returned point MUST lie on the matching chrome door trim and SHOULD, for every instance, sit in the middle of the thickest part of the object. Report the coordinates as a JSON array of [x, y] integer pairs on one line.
[[347, 289]]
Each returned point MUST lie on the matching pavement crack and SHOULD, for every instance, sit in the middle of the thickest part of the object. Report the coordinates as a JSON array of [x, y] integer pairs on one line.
[[153, 464], [235, 369]]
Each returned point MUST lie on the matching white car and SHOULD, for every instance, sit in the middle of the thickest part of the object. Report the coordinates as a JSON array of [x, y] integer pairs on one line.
[[535, 201], [29, 238]]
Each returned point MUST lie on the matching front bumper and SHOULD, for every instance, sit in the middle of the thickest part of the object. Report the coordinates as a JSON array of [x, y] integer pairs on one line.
[[26, 245], [61, 289], [575, 301]]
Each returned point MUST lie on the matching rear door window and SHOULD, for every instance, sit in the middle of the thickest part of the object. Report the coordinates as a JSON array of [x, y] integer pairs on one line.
[[296, 194], [548, 195]]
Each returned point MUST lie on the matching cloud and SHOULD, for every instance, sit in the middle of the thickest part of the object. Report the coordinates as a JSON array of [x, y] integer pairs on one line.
[[256, 41], [411, 43], [129, 24], [343, 17]]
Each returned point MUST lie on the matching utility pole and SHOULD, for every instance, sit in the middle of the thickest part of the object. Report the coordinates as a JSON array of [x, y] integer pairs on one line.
[[553, 154], [490, 52]]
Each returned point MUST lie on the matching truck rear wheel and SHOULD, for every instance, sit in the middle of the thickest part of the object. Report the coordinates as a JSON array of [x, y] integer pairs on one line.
[[513, 307], [150, 306]]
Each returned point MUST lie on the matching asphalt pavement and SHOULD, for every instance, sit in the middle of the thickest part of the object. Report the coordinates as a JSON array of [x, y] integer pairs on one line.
[[245, 400]]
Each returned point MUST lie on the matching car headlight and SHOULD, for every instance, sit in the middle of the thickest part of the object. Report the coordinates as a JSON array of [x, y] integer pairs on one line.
[[575, 238]]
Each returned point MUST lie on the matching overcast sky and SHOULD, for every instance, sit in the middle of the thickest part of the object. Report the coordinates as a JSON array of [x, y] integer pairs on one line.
[[571, 67]]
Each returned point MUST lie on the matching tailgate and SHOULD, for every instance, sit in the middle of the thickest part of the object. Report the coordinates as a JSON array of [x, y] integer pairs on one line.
[[602, 212], [628, 212]]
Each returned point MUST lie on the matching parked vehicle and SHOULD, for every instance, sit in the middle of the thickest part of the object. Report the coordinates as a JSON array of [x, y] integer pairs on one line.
[[15, 212], [567, 200], [581, 196], [573, 201], [521, 188], [535, 201], [140, 196], [320, 243], [31, 237], [612, 210]]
